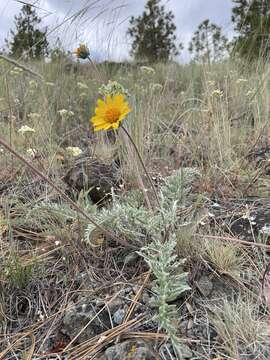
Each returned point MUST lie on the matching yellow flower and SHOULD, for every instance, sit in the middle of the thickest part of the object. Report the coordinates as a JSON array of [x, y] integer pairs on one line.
[[82, 52], [110, 112]]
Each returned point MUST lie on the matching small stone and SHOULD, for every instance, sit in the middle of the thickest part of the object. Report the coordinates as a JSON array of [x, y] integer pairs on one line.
[[183, 326], [183, 352], [78, 316], [131, 350], [209, 333], [118, 316], [131, 258], [205, 285], [146, 298]]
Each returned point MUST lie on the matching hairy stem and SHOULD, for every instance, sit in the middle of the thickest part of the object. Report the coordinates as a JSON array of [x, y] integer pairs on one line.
[[142, 163]]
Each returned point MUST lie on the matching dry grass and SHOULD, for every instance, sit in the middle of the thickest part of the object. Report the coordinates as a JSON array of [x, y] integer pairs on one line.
[[209, 118], [242, 330]]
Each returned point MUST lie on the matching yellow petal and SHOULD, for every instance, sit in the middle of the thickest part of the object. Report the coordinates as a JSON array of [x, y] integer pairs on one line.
[[109, 100], [98, 123], [116, 125], [100, 103], [100, 112]]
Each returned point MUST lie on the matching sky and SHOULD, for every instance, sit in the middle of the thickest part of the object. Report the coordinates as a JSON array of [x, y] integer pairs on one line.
[[102, 24]]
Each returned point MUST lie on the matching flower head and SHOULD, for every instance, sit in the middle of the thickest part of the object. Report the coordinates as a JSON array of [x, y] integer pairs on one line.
[[31, 152], [16, 71], [147, 70], [65, 113], [156, 87], [33, 84], [82, 52], [74, 150], [113, 88], [110, 112], [217, 93], [250, 93], [26, 129]]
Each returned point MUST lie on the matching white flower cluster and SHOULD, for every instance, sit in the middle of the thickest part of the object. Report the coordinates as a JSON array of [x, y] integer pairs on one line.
[[26, 129], [65, 113], [113, 88], [147, 70], [74, 151], [16, 71]]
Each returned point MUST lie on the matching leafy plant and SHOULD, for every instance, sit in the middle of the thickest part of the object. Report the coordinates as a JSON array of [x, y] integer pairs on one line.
[[171, 282], [177, 187], [133, 221]]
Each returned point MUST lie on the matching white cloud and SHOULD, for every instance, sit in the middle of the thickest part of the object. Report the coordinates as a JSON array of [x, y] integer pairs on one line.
[[103, 26]]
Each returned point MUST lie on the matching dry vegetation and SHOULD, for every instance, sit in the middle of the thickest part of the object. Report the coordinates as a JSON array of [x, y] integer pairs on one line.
[[212, 123]]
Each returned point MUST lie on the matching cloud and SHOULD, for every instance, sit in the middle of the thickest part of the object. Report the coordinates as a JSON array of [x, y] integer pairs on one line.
[[103, 23]]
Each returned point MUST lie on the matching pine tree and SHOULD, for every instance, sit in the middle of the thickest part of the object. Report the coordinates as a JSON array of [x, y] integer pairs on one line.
[[252, 25], [153, 34], [27, 39], [208, 44]]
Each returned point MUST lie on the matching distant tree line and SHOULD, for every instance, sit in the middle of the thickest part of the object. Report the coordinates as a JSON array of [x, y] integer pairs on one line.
[[153, 35]]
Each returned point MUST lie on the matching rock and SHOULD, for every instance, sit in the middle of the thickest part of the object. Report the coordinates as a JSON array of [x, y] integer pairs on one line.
[[259, 156], [257, 223], [131, 258], [209, 333], [205, 285], [78, 316], [91, 174], [146, 298], [244, 218], [184, 326], [118, 316], [130, 350], [183, 352]]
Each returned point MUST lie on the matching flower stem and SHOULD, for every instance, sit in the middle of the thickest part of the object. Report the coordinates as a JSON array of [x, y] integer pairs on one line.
[[63, 195], [142, 163], [100, 76]]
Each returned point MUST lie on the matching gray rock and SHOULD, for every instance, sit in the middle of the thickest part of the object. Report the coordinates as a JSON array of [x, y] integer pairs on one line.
[[118, 316], [130, 350], [183, 326], [146, 298], [209, 333], [183, 352], [131, 258], [205, 285], [78, 316], [89, 173]]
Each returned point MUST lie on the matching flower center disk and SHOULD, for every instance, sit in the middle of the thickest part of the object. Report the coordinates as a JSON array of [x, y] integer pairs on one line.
[[112, 115]]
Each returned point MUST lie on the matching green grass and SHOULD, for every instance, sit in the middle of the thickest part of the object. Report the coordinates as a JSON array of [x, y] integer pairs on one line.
[[208, 118]]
